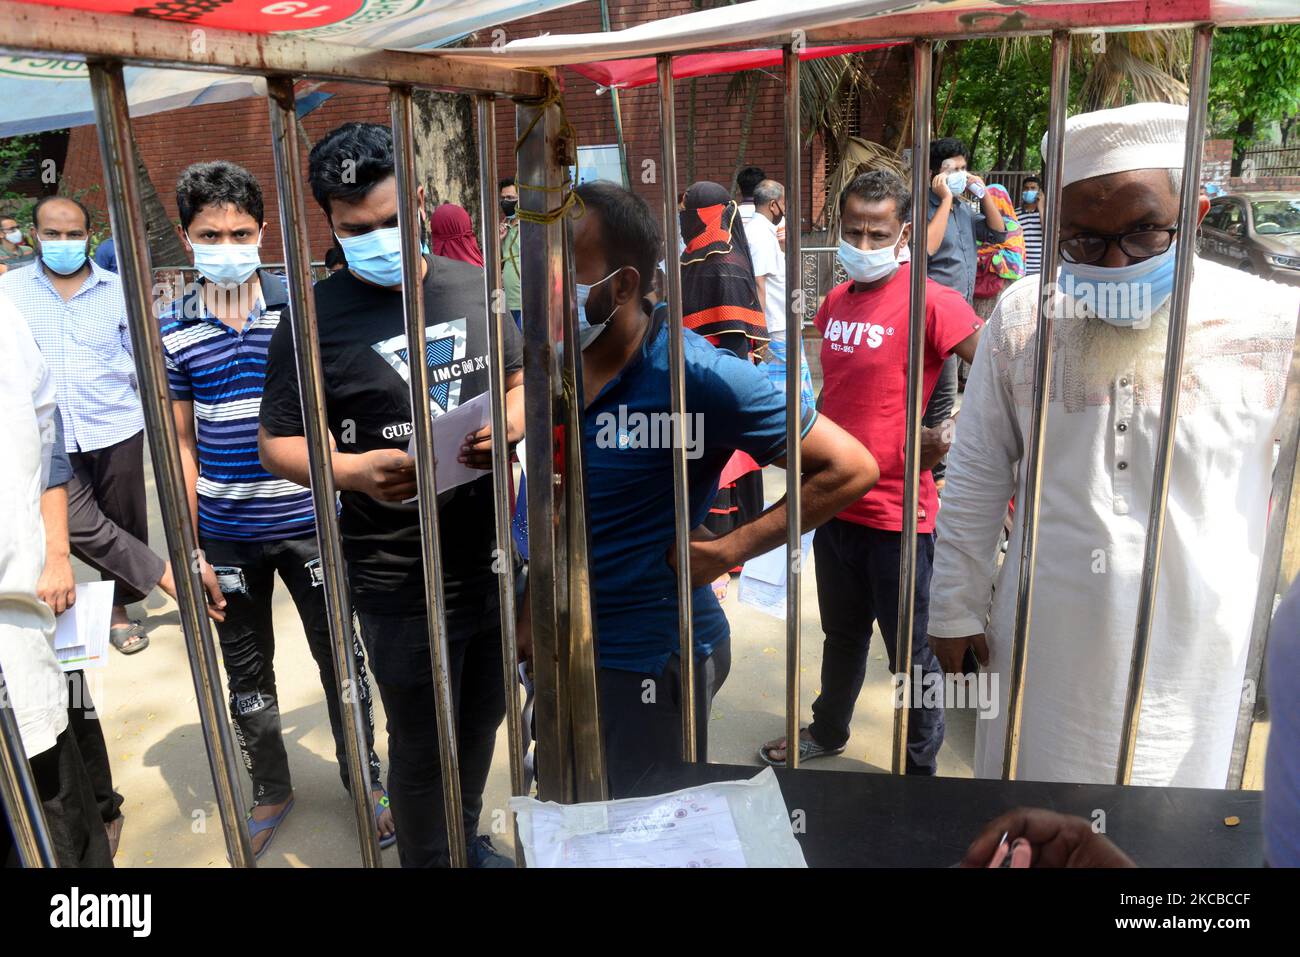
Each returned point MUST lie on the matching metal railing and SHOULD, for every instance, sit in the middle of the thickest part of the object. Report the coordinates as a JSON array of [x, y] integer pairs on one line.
[[569, 741]]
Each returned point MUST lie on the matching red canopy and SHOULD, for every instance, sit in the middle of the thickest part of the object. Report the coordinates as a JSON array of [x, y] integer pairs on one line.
[[642, 71]]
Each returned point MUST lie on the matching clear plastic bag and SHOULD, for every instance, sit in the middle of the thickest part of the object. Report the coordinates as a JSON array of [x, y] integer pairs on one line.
[[728, 824]]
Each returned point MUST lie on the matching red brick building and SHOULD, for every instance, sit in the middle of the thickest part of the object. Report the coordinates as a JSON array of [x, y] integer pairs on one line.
[[240, 130]]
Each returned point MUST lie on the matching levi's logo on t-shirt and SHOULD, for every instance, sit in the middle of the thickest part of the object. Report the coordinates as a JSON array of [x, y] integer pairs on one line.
[[847, 336]]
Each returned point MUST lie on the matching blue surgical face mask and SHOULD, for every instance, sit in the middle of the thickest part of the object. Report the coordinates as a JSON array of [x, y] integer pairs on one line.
[[63, 256], [376, 256], [1124, 296], [588, 331], [227, 264], [1029, 195], [868, 265], [957, 182]]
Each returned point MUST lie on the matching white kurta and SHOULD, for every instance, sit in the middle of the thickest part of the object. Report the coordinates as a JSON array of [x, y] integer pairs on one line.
[[36, 686], [1102, 430]]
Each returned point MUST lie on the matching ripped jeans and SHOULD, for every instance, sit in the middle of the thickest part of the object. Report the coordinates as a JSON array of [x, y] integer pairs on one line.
[[246, 573]]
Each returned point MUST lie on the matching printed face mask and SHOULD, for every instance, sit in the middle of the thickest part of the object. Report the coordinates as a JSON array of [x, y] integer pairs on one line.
[[63, 256], [1124, 296], [589, 331], [227, 264], [868, 265]]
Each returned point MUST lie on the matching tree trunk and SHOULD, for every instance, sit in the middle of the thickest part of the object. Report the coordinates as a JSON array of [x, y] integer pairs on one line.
[[690, 134], [1240, 140], [746, 125], [975, 139], [446, 151], [165, 247]]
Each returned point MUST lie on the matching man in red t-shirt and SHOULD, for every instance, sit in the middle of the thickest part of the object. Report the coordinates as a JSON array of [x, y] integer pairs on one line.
[[864, 326]]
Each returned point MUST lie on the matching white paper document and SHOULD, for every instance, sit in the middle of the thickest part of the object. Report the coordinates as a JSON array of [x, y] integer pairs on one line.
[[762, 579], [449, 431], [81, 632], [677, 830]]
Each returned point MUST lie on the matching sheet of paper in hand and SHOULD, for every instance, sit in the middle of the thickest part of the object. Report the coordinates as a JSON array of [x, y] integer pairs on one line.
[[449, 431]]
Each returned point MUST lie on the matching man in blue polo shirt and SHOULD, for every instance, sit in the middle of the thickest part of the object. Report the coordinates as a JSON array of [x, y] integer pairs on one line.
[[628, 441], [250, 525]]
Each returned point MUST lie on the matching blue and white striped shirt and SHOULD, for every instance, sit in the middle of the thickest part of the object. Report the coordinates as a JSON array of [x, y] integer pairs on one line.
[[223, 373], [86, 344]]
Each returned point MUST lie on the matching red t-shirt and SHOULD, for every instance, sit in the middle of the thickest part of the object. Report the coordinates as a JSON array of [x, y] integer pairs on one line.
[[864, 368]]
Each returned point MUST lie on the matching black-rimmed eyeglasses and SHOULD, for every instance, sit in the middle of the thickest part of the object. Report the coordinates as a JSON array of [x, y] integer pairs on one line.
[[1139, 244]]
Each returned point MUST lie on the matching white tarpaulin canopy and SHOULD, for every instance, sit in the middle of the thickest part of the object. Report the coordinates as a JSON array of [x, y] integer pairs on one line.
[[40, 93], [871, 20]]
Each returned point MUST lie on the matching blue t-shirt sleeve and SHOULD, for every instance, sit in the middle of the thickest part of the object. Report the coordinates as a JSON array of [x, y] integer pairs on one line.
[[741, 407], [60, 466]]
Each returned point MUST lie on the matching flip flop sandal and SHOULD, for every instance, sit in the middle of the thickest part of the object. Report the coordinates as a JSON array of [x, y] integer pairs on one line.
[[119, 635], [380, 806], [808, 751], [271, 824]]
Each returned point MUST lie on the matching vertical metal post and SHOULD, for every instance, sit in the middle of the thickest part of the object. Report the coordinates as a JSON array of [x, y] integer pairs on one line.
[[112, 122], [922, 51], [540, 176], [1197, 95], [579, 659], [22, 801], [677, 383], [413, 266], [1058, 101], [793, 402], [501, 477], [311, 387], [1269, 569], [616, 107]]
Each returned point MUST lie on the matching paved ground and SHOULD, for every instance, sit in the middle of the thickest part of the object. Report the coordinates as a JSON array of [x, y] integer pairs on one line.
[[147, 704]]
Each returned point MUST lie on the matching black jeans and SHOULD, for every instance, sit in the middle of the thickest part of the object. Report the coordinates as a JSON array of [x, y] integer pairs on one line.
[[857, 584], [246, 572], [641, 718], [83, 722], [398, 646]]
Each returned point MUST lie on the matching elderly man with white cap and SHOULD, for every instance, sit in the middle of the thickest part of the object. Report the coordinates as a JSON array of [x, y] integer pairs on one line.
[[1119, 214]]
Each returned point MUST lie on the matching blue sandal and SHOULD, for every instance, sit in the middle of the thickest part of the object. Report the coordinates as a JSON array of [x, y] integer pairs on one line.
[[380, 806], [271, 824]]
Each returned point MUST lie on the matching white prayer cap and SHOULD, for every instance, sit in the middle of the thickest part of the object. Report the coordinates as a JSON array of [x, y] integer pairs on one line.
[[1139, 136]]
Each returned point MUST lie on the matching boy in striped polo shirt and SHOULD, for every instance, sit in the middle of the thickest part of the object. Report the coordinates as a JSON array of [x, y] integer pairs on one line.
[[250, 525]]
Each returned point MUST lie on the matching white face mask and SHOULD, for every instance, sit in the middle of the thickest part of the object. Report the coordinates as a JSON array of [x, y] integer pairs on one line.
[[868, 265], [956, 181], [227, 264], [14, 237]]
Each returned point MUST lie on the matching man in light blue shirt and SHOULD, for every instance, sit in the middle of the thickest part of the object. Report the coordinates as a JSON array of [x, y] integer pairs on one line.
[[77, 315]]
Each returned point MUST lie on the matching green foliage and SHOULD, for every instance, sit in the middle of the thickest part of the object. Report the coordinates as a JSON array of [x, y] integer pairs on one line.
[[1255, 80], [15, 152]]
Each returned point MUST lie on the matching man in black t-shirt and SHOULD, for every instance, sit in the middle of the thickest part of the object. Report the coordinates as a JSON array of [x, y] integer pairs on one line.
[[364, 359]]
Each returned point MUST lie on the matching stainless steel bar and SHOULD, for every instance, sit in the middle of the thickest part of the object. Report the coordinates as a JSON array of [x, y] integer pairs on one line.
[[590, 782], [1270, 569], [922, 57], [677, 383], [141, 41], [1197, 95], [541, 244], [502, 479], [112, 122], [22, 801], [794, 313], [1058, 102], [413, 269], [302, 314]]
